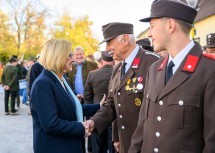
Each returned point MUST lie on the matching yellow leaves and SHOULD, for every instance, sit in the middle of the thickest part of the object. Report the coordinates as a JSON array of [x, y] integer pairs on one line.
[[77, 31]]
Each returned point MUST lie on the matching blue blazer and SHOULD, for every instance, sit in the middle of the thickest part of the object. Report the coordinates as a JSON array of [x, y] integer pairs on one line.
[[55, 126]]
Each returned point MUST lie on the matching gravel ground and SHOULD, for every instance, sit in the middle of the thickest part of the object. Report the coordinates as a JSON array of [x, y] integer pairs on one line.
[[16, 134]]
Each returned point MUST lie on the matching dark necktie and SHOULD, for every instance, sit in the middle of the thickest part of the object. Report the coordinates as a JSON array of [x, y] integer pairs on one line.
[[169, 71], [123, 69]]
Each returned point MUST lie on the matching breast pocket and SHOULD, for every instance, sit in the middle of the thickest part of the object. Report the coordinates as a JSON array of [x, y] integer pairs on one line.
[[149, 104], [182, 111]]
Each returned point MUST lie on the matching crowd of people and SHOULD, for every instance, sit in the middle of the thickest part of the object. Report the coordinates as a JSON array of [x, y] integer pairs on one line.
[[13, 74], [130, 98]]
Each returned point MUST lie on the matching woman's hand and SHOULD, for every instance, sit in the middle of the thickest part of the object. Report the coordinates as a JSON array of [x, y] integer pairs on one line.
[[117, 146], [79, 96], [87, 129]]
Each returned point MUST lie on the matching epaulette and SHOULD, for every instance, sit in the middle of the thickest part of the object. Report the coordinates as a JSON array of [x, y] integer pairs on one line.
[[154, 54], [211, 56]]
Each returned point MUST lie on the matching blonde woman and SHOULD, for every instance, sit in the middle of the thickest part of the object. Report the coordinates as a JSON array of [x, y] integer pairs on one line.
[[57, 114]]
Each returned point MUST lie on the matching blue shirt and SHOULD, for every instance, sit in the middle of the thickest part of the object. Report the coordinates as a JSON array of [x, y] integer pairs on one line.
[[79, 86], [180, 56], [131, 57]]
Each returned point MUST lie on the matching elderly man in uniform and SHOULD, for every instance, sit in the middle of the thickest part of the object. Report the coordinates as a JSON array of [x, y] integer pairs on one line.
[[210, 47], [177, 114], [126, 84]]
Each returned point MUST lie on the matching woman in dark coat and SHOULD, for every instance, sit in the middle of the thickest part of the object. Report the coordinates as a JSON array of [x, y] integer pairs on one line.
[[57, 114]]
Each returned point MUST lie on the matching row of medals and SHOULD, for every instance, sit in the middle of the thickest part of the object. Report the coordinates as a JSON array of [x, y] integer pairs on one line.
[[135, 89]]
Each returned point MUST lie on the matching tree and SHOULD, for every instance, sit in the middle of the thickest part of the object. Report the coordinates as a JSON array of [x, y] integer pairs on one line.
[[77, 31], [27, 25], [6, 44]]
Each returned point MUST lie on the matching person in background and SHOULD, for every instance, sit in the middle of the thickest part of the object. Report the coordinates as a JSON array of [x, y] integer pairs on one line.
[[24, 92], [10, 85], [177, 114], [1, 70], [209, 48], [96, 86], [81, 68], [126, 84], [90, 58], [97, 57], [34, 71], [145, 44], [19, 67], [57, 114]]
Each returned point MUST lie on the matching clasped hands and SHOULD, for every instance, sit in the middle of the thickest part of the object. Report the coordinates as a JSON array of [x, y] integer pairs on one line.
[[89, 127], [89, 124]]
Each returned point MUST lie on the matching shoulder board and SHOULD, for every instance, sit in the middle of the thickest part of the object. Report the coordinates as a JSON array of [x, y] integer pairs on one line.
[[209, 55], [154, 54]]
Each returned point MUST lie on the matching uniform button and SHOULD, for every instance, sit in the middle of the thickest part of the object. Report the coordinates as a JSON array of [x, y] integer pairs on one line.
[[120, 116], [156, 150], [147, 96], [161, 102], [159, 118], [181, 103], [123, 127], [118, 93], [111, 90], [119, 105], [157, 134]]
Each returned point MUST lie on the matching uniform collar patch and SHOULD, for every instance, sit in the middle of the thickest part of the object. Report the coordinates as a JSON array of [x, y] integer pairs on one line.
[[163, 63], [191, 63], [136, 63]]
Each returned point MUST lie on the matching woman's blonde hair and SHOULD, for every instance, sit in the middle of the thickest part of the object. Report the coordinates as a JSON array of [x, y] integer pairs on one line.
[[54, 54]]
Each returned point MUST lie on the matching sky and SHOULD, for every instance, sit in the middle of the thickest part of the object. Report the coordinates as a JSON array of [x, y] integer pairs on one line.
[[102, 12]]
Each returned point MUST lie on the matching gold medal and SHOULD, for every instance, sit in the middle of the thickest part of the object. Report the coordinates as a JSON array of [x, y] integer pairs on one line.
[[127, 87], [129, 81], [137, 102]]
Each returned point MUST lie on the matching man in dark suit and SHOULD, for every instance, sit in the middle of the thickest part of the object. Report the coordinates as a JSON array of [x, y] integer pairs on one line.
[[96, 86], [80, 70], [126, 85], [177, 114]]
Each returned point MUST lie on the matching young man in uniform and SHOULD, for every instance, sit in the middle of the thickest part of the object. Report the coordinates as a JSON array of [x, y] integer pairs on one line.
[[177, 114]]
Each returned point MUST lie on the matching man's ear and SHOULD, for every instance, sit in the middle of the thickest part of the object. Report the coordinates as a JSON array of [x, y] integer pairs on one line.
[[171, 25], [125, 38]]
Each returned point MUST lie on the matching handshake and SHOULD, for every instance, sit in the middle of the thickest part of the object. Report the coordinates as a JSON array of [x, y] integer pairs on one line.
[[89, 127]]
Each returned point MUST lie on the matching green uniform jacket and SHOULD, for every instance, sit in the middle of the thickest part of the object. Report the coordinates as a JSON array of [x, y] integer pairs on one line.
[[10, 77]]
